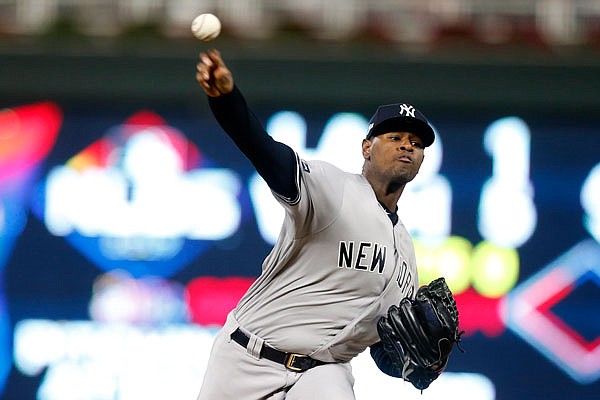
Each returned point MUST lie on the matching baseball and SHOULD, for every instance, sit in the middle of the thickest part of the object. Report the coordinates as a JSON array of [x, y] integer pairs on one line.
[[206, 27]]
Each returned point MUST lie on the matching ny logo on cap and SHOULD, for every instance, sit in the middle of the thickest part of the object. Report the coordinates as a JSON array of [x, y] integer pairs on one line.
[[407, 109]]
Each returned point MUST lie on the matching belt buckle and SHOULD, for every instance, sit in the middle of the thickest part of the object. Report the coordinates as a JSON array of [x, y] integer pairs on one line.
[[289, 361]]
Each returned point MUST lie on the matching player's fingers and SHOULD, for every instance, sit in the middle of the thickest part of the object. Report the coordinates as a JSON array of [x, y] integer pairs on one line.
[[215, 56], [203, 71], [212, 74], [208, 88], [203, 82], [201, 77], [206, 60]]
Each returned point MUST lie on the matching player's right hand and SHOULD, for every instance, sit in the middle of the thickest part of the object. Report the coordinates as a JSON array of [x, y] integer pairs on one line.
[[213, 75]]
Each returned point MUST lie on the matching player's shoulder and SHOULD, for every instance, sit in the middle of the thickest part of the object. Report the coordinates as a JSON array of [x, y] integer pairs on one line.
[[321, 166], [324, 170]]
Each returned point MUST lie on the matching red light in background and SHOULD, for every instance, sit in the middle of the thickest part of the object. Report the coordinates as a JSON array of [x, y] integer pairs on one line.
[[27, 134], [479, 313], [210, 299]]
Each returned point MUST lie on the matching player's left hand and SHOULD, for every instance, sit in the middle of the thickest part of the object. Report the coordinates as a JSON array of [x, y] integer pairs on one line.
[[419, 334]]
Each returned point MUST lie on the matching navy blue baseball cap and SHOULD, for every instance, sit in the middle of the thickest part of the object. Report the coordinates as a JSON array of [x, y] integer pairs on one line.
[[400, 117]]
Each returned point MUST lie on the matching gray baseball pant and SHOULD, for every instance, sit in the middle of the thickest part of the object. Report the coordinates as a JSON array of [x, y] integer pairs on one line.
[[236, 373]]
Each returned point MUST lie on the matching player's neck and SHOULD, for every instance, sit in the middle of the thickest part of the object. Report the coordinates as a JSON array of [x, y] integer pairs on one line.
[[387, 193], [390, 203]]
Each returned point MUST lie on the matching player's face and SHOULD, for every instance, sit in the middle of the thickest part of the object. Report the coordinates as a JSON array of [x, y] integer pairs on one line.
[[395, 156]]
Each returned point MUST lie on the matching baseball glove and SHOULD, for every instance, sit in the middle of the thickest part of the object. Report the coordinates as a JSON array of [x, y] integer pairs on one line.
[[418, 335]]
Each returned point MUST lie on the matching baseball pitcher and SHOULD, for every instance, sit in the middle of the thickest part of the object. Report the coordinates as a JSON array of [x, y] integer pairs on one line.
[[342, 276]]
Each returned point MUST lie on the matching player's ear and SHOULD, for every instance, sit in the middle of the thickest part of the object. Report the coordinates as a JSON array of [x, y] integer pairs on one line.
[[366, 149]]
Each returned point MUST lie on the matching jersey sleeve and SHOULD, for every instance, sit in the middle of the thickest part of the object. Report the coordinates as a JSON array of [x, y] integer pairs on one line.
[[275, 162], [320, 188]]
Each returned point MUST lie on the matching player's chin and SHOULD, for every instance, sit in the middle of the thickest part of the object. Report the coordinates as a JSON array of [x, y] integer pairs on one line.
[[404, 175]]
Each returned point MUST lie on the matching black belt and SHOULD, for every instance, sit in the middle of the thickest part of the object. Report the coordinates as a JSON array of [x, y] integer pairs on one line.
[[293, 362]]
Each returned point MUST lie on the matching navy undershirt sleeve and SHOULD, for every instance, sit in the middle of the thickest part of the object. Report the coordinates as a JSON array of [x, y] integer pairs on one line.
[[274, 161], [384, 361]]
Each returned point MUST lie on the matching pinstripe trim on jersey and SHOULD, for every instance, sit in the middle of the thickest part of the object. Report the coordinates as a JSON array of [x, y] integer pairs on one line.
[[299, 164]]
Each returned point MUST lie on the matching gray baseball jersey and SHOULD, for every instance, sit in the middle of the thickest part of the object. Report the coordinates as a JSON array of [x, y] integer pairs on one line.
[[337, 266]]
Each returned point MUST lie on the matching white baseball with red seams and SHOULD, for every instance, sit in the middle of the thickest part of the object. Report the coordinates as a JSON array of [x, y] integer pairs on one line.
[[206, 27]]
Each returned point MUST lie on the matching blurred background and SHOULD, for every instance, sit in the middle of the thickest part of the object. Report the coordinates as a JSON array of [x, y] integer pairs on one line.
[[130, 225]]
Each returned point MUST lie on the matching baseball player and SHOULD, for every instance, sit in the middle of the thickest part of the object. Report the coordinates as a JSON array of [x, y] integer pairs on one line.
[[342, 257]]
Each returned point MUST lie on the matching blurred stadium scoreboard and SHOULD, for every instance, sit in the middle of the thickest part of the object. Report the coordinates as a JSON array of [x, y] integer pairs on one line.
[[129, 233]]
